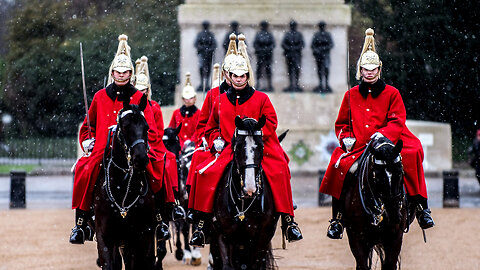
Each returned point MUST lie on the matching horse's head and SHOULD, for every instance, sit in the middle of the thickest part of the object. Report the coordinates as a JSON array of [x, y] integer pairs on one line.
[[171, 141], [247, 144], [387, 171], [132, 133]]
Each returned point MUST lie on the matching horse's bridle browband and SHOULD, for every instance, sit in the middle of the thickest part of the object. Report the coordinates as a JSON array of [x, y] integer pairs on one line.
[[383, 162], [246, 132]]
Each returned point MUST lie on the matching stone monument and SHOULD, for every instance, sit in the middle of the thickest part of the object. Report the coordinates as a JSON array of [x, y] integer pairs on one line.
[[310, 116]]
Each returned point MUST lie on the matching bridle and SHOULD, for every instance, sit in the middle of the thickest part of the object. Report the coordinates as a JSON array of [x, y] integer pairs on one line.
[[242, 195], [129, 171], [364, 186]]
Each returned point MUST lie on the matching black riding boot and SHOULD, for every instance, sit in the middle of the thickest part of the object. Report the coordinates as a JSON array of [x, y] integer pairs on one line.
[[177, 211], [161, 230], [199, 236], [290, 228], [82, 231], [335, 230], [423, 213]]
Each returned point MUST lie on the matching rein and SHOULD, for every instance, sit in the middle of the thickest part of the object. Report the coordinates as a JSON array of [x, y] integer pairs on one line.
[[364, 183], [241, 213], [115, 130]]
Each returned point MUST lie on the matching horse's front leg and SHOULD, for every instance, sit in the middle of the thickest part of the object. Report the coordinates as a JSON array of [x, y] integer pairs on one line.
[[179, 224], [392, 250], [360, 250], [108, 255]]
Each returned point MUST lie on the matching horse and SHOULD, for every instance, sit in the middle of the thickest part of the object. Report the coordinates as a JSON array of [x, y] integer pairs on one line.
[[376, 211], [182, 227], [245, 220], [124, 206]]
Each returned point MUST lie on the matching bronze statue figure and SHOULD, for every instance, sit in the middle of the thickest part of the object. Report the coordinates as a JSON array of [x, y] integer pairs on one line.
[[264, 44], [322, 43], [292, 45], [205, 45]]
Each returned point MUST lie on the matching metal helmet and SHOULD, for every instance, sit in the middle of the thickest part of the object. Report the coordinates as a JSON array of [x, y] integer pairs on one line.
[[216, 75], [242, 50], [142, 76], [231, 53], [188, 91], [369, 58], [122, 61], [239, 66]]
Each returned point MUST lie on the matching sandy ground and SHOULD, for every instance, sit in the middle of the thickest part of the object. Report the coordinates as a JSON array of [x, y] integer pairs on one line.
[[38, 239]]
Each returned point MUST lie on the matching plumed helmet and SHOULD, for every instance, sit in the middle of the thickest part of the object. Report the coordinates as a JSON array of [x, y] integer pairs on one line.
[[188, 91], [231, 53], [242, 50], [216, 75], [369, 58], [239, 66], [122, 61], [142, 77]]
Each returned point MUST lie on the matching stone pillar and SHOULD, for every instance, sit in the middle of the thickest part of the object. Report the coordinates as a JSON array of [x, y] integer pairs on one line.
[[278, 13]]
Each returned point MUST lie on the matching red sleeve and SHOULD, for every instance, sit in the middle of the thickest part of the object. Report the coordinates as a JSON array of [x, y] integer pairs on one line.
[[157, 110], [173, 120], [396, 117], [212, 128], [271, 124], [203, 118], [342, 126], [92, 114]]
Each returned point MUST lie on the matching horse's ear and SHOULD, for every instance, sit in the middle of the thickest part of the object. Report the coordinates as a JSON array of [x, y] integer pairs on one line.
[[261, 122], [283, 135], [143, 103], [398, 147], [177, 130], [238, 122]]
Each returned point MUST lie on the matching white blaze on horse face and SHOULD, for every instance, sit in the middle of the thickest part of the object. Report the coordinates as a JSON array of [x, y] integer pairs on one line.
[[250, 146]]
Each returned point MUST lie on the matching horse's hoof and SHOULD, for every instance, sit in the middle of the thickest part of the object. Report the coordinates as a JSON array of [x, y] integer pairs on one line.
[[196, 261], [187, 257], [196, 257], [179, 254]]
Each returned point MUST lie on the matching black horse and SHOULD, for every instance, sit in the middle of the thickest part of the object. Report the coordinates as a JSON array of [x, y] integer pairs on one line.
[[244, 214], [182, 227], [376, 210], [124, 205]]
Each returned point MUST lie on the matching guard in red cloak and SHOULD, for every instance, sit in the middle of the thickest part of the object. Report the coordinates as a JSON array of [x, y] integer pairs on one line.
[[102, 114], [242, 100], [370, 111]]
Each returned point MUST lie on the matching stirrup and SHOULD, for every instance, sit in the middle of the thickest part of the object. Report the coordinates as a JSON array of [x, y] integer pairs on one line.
[[201, 235], [333, 223]]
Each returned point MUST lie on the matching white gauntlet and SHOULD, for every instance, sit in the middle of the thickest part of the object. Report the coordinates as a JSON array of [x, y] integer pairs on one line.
[[376, 136], [87, 145], [349, 142], [218, 144]]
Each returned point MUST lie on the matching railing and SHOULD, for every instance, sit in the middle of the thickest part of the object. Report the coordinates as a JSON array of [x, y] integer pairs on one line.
[[39, 151]]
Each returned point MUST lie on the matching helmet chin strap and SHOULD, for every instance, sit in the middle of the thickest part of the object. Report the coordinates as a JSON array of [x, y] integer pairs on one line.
[[240, 84], [120, 80]]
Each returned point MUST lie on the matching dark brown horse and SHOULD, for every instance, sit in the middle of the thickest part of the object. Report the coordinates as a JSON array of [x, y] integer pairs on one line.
[[376, 212], [124, 205], [244, 214]]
